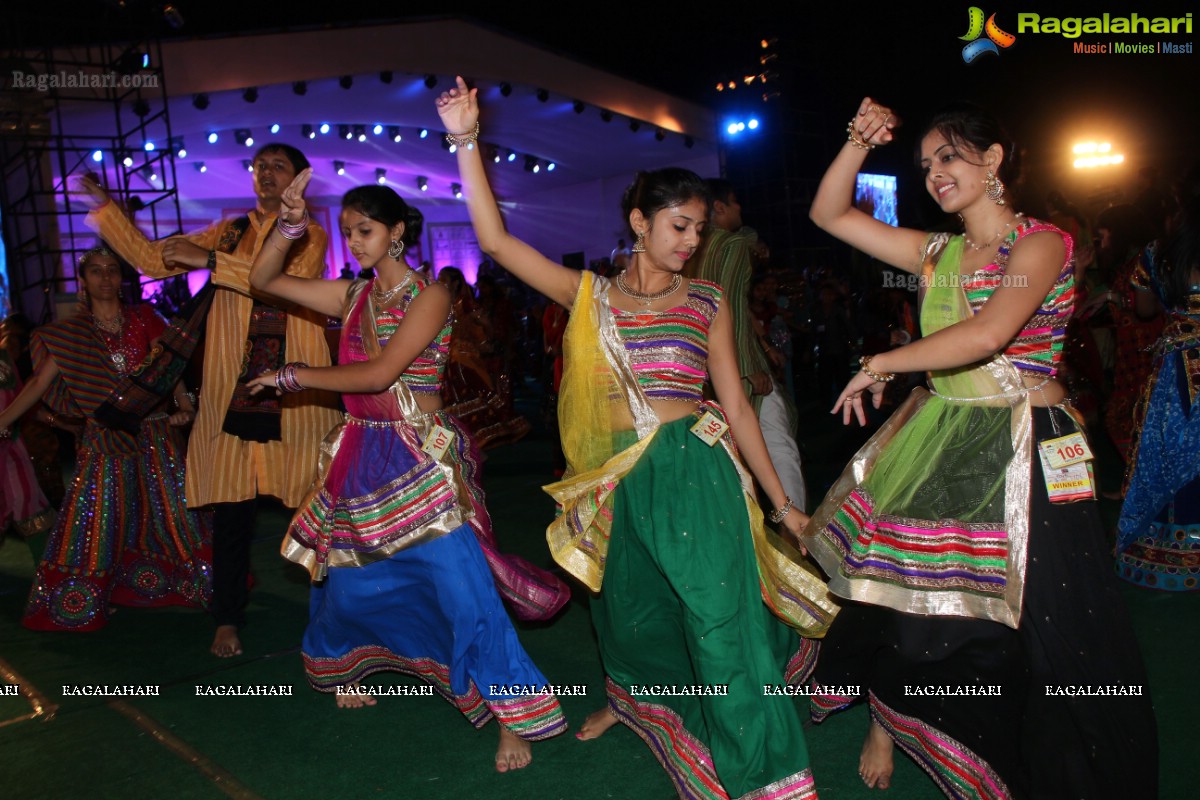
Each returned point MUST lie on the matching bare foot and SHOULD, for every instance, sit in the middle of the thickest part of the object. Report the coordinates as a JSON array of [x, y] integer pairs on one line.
[[596, 724], [513, 752], [226, 643], [875, 765], [349, 698]]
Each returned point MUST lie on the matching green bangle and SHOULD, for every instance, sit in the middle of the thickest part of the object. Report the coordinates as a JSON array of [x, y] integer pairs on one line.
[[212, 260]]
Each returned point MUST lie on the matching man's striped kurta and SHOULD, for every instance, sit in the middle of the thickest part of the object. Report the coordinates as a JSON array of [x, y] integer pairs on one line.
[[222, 468]]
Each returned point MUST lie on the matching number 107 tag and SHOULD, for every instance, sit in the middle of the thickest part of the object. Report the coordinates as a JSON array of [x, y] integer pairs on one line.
[[437, 443], [1066, 450]]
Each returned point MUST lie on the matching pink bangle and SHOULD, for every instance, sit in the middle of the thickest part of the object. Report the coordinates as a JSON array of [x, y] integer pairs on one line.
[[285, 378], [290, 231]]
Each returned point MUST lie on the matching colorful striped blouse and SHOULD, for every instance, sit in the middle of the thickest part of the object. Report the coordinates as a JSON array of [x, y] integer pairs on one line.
[[1037, 347], [424, 374], [91, 364], [669, 349]]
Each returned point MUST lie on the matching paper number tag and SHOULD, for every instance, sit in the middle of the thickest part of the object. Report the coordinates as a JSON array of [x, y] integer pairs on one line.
[[438, 442], [1066, 450], [1068, 484], [709, 429]]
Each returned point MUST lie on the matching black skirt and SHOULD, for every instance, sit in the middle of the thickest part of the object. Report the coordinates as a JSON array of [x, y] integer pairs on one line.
[[1057, 709]]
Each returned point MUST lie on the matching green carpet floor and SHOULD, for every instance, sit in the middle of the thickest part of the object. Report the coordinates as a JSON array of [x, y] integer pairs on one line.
[[301, 747]]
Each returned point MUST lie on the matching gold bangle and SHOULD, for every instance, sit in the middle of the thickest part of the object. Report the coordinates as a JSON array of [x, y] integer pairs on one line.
[[882, 377], [467, 139], [855, 138], [780, 514]]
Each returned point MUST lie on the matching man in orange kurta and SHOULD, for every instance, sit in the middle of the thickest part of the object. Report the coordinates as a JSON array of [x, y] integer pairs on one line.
[[223, 470]]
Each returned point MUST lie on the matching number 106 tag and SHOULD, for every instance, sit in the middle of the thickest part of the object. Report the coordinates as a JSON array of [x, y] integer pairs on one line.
[[710, 428], [1066, 450], [438, 442]]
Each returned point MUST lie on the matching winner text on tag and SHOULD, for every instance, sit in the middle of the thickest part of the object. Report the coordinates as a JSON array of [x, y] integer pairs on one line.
[[710, 428], [438, 442], [1068, 484]]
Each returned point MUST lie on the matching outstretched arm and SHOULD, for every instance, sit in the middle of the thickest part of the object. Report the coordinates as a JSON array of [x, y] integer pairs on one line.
[[422, 322], [161, 259], [267, 275], [727, 383], [460, 114], [30, 394], [833, 207]]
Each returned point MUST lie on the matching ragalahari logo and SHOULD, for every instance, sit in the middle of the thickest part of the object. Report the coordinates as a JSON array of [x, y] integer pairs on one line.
[[976, 27]]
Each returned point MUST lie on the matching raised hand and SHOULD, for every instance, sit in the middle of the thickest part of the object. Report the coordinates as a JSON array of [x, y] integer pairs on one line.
[[458, 108], [875, 122], [291, 202], [91, 190]]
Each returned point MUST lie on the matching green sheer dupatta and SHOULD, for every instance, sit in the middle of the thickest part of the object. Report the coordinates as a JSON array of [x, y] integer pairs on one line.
[[932, 514]]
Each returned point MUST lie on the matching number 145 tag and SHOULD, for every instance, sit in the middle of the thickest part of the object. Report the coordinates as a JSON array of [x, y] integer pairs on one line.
[[1066, 450], [710, 428]]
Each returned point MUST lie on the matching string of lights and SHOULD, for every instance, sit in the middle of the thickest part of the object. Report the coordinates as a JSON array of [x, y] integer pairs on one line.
[[366, 133], [346, 131]]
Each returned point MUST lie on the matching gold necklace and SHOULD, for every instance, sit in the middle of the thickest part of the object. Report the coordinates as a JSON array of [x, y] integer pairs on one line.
[[979, 247], [383, 298], [647, 299], [112, 325]]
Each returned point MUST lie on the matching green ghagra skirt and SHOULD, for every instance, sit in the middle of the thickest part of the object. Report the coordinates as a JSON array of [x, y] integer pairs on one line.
[[687, 643]]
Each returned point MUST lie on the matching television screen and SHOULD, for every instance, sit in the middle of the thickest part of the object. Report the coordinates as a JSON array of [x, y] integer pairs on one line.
[[876, 195]]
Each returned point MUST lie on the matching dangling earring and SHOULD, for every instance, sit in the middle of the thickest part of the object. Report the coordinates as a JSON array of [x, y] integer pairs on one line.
[[993, 187], [83, 295], [639, 245], [395, 249]]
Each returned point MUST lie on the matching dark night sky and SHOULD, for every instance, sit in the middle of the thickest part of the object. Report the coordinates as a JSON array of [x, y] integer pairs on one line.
[[831, 54]]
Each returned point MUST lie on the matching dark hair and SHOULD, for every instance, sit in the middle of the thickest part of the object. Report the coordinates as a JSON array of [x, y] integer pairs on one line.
[[719, 189], [651, 192], [17, 324], [299, 162], [1128, 228], [1180, 252], [98, 250], [455, 281], [382, 204], [968, 126]]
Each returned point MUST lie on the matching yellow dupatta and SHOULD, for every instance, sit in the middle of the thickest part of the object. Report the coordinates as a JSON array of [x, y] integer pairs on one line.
[[598, 397]]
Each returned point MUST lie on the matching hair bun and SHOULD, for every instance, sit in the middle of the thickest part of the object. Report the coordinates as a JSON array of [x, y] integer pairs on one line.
[[414, 221]]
